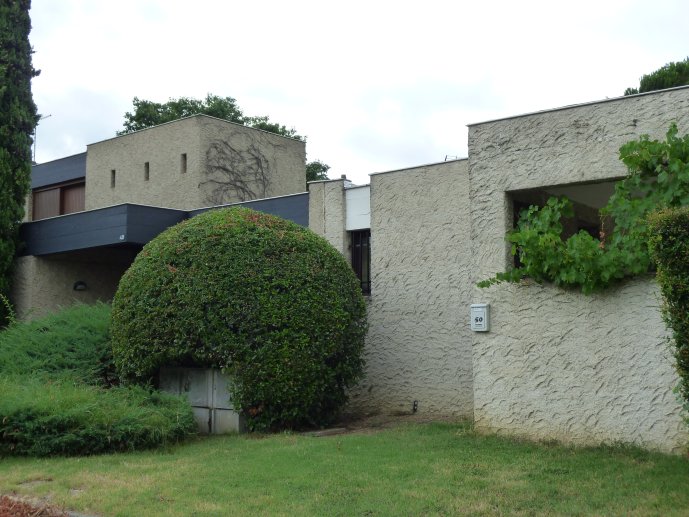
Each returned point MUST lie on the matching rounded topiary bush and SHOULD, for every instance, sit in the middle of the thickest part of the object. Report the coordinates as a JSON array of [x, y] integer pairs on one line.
[[269, 301]]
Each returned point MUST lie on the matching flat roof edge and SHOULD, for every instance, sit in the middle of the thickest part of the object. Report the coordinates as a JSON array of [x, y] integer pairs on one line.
[[578, 105], [419, 166], [197, 115]]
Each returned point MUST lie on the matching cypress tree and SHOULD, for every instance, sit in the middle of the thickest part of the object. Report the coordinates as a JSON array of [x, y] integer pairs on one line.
[[18, 120]]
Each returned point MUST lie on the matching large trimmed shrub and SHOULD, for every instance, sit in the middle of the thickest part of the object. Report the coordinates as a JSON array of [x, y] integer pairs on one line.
[[263, 298], [73, 341], [47, 417], [669, 246]]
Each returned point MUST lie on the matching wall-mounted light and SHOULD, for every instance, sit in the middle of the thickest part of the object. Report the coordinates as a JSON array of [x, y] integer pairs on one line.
[[80, 285]]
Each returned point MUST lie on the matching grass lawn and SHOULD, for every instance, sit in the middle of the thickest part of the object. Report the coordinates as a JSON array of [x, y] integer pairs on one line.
[[422, 469]]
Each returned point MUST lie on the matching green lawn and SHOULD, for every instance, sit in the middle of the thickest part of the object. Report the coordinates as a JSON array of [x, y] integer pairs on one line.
[[422, 469]]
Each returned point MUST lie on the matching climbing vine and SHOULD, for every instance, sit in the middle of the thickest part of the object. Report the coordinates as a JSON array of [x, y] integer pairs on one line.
[[658, 177], [669, 244]]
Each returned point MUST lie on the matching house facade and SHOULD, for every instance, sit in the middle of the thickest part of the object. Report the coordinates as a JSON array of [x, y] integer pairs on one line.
[[553, 364]]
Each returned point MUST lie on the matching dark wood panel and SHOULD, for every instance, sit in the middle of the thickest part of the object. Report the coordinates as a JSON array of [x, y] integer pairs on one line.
[[46, 203], [73, 199]]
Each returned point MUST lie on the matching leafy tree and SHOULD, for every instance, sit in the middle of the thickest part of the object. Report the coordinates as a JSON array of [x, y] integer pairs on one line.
[[317, 171], [148, 113], [265, 124], [671, 75], [18, 120]]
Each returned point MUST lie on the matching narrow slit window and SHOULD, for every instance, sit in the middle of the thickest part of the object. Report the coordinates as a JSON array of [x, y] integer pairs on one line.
[[361, 258], [147, 171], [183, 163], [112, 178]]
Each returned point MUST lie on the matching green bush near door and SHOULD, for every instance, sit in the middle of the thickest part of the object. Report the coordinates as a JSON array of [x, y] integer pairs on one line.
[[268, 301]]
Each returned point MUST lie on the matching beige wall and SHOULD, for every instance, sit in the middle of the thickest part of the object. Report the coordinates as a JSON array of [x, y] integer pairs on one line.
[[327, 213], [257, 163], [248, 163], [560, 364], [418, 346], [42, 285]]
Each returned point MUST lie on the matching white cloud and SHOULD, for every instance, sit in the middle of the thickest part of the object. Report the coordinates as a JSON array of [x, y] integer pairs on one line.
[[374, 85]]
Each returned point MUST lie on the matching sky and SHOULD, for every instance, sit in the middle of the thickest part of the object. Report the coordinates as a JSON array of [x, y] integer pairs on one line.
[[373, 85]]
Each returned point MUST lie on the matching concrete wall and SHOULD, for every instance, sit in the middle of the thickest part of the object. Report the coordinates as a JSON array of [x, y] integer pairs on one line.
[[42, 285], [418, 346], [559, 364], [225, 163], [240, 163], [327, 213]]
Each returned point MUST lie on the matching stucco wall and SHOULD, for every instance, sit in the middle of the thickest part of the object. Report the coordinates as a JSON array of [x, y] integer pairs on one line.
[[42, 285], [418, 346], [327, 213], [555, 364], [240, 164], [238, 156], [161, 147]]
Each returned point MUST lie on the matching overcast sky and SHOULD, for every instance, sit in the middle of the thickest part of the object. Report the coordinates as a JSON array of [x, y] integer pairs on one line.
[[374, 85]]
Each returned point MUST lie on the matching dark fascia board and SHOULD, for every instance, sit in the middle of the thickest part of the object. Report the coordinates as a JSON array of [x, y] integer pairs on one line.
[[130, 225], [70, 168], [294, 207], [121, 225]]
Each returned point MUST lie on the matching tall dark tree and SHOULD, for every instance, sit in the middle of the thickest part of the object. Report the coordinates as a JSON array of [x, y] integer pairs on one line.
[[671, 75], [18, 121]]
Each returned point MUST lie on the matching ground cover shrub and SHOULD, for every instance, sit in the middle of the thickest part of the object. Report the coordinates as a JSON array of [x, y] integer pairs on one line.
[[669, 246], [74, 341], [47, 417], [267, 300]]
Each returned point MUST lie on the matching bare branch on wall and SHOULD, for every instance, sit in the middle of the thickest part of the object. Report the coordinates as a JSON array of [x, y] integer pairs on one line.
[[236, 174]]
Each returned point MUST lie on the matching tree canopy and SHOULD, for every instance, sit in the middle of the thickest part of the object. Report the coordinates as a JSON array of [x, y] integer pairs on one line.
[[317, 171], [148, 113], [18, 120], [669, 76]]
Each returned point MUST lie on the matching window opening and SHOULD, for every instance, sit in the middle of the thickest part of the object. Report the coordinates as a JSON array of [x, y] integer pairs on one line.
[[361, 258], [183, 163], [147, 171]]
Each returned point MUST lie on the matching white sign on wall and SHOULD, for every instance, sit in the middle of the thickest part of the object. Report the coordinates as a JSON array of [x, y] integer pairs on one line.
[[480, 317]]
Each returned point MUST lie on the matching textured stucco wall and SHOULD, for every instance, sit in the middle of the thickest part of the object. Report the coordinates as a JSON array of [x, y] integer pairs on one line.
[[556, 364], [266, 165], [327, 213], [42, 285], [161, 147], [418, 345], [241, 156]]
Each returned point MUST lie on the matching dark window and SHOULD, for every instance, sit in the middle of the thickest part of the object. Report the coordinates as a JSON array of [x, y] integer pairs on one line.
[[361, 258], [147, 171], [112, 178], [183, 163]]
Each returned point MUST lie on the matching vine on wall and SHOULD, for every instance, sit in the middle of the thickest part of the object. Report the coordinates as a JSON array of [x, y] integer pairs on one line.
[[658, 177]]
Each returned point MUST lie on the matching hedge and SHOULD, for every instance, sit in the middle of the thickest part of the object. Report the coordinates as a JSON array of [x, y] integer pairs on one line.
[[669, 245], [74, 341], [48, 417], [268, 301]]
